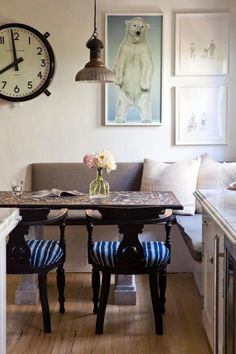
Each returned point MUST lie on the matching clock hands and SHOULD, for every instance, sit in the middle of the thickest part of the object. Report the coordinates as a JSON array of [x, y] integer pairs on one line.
[[14, 51], [17, 61], [27, 62]]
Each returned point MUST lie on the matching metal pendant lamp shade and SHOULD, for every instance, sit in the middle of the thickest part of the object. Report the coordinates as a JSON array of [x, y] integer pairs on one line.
[[95, 70]]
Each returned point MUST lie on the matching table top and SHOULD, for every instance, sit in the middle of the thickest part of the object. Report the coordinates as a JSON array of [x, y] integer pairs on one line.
[[165, 200]]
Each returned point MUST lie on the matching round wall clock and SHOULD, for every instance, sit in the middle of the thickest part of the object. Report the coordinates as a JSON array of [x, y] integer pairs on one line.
[[26, 62]]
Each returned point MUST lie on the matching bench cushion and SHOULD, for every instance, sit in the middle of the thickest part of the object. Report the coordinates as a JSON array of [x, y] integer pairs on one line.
[[105, 252], [214, 175], [179, 177], [76, 217], [191, 230]]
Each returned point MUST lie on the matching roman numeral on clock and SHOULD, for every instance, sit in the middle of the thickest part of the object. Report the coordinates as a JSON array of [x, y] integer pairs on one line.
[[1, 39]]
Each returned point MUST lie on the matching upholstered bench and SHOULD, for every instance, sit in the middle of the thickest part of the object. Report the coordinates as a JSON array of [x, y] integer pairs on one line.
[[190, 227], [180, 177], [183, 177]]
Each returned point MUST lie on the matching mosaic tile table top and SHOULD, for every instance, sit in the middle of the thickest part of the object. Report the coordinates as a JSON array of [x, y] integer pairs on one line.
[[84, 201]]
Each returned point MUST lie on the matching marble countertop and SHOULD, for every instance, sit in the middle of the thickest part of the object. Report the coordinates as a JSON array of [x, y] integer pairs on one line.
[[221, 205], [9, 218]]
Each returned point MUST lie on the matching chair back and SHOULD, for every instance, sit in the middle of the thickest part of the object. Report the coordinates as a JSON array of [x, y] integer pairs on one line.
[[41, 216], [130, 221], [18, 251]]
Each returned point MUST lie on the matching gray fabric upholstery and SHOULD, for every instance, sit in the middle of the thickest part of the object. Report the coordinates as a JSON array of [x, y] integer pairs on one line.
[[76, 217], [78, 176], [191, 230]]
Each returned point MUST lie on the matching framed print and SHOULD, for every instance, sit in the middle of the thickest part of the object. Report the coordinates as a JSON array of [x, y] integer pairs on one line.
[[202, 44], [201, 115], [134, 53]]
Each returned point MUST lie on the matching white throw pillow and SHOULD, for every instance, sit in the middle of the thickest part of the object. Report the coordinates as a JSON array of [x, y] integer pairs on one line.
[[214, 175], [179, 177]]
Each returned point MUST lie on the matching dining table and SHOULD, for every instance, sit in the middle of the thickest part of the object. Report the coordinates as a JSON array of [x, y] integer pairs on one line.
[[160, 199], [82, 201]]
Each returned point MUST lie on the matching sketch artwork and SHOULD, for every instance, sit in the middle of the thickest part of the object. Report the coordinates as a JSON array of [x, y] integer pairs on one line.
[[192, 50], [196, 52], [202, 44], [133, 70], [197, 123], [201, 114], [192, 124], [203, 121]]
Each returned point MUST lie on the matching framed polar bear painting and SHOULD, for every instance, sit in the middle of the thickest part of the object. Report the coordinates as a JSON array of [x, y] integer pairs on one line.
[[134, 53]]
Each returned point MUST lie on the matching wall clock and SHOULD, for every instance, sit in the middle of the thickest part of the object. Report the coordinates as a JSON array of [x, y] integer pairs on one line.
[[27, 62]]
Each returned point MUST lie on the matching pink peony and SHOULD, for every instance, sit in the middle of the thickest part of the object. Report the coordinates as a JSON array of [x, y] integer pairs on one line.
[[90, 160], [102, 160]]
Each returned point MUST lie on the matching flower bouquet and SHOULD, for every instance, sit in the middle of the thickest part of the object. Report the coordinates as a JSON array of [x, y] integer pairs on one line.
[[101, 161]]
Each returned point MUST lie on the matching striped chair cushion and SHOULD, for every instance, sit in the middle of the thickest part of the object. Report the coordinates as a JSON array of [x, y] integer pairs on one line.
[[104, 253], [44, 252]]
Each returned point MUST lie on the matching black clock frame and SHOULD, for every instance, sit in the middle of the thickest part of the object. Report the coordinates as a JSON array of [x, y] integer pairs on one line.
[[43, 88]]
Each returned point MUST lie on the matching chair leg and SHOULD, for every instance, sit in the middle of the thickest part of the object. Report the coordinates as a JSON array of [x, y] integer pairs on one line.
[[61, 287], [153, 283], [96, 287], [106, 279], [42, 280], [162, 286]]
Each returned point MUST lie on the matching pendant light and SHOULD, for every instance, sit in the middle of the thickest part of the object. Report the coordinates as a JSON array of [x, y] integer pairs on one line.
[[95, 70]]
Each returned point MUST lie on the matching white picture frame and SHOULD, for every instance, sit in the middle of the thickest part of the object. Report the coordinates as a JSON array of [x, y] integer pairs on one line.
[[122, 107], [201, 43], [201, 115]]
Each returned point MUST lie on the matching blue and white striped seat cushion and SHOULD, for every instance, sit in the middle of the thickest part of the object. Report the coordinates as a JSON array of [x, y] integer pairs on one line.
[[44, 252], [105, 252]]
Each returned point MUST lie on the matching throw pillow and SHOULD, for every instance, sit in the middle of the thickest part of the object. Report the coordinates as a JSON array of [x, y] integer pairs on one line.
[[179, 177], [214, 175]]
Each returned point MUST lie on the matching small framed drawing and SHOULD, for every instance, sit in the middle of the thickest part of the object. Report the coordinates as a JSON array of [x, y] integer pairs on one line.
[[201, 115], [202, 44], [134, 52]]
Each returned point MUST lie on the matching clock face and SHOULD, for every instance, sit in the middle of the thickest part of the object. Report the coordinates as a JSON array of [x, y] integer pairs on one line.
[[26, 62]]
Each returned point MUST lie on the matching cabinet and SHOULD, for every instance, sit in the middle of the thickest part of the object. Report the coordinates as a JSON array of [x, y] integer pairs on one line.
[[230, 296], [8, 220], [213, 282], [219, 267]]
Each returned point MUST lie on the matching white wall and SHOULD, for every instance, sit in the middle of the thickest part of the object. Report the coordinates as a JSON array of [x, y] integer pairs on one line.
[[66, 125]]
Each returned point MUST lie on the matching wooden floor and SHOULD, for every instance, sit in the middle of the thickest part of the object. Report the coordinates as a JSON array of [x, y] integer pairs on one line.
[[128, 329]]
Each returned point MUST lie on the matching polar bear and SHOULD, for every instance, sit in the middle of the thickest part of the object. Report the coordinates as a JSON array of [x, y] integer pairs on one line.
[[133, 70]]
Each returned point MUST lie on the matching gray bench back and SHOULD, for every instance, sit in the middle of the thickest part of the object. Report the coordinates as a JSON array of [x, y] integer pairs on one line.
[[66, 176]]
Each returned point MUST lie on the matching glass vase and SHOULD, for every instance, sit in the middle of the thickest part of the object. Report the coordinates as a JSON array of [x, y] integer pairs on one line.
[[99, 187]]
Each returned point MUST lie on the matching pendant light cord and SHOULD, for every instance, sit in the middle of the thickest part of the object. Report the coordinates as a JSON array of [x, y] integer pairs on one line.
[[95, 34]]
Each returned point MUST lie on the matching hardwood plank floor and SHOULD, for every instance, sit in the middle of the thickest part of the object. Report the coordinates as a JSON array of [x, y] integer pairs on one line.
[[127, 329]]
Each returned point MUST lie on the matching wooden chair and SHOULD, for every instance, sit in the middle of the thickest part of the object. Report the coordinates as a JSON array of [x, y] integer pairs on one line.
[[39, 256], [129, 256]]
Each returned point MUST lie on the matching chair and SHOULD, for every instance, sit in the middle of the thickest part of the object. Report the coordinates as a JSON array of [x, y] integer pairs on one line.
[[129, 256], [39, 256]]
